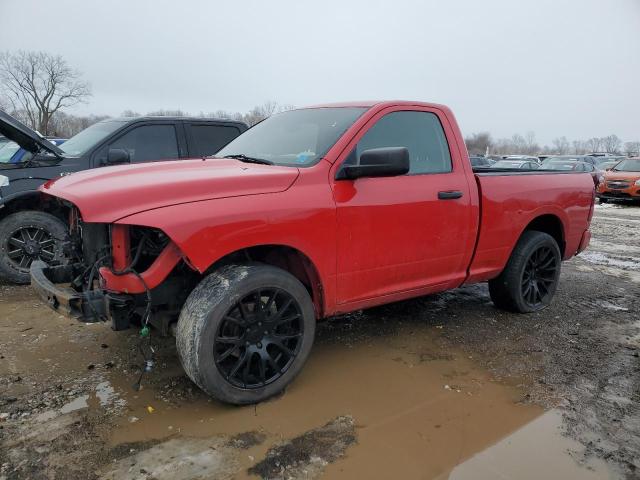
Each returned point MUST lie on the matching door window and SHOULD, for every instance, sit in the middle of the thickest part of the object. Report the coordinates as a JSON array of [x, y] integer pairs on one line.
[[149, 142], [420, 132], [208, 139]]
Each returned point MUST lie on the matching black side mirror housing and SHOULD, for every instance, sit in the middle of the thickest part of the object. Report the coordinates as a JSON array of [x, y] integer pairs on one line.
[[116, 156], [378, 162]]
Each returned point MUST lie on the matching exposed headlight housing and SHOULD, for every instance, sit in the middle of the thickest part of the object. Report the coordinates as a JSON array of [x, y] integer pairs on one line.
[[637, 184], [4, 181]]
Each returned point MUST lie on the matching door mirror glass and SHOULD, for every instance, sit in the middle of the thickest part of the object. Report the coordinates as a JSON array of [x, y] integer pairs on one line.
[[117, 156], [378, 162]]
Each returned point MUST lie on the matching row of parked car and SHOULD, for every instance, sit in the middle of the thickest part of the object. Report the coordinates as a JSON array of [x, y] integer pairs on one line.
[[615, 177]]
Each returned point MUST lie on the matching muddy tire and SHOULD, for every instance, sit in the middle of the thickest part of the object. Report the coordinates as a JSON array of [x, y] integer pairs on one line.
[[27, 236], [245, 332], [530, 279]]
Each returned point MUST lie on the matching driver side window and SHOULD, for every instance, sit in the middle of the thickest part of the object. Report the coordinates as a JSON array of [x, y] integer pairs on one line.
[[420, 132]]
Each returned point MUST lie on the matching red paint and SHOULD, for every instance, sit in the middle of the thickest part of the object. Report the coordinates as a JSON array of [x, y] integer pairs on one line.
[[120, 247], [368, 241], [152, 277]]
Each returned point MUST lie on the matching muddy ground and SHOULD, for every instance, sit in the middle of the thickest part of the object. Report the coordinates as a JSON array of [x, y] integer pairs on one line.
[[441, 387]]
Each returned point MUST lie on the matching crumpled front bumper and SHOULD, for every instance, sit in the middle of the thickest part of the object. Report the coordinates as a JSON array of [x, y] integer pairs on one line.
[[52, 285]]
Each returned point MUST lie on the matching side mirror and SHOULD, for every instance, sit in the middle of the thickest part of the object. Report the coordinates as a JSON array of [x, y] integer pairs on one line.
[[117, 155], [378, 162]]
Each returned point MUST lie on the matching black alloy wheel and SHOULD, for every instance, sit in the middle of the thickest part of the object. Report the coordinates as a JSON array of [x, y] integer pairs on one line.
[[259, 338], [539, 274], [29, 243]]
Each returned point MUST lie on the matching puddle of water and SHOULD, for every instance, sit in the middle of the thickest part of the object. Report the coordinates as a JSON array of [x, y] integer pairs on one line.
[[75, 404], [538, 450], [393, 386]]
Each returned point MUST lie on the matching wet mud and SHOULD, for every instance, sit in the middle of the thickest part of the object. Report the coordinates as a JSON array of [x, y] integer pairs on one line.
[[439, 387]]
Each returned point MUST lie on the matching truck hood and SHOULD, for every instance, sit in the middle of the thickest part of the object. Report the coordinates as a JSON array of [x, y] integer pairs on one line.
[[24, 136], [107, 194]]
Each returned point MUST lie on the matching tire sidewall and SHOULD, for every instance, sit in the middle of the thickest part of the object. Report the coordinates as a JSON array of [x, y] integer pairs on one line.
[[54, 226], [212, 306], [531, 241]]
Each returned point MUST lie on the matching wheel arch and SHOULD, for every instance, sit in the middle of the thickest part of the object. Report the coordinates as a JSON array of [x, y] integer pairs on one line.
[[287, 258], [551, 225], [29, 200]]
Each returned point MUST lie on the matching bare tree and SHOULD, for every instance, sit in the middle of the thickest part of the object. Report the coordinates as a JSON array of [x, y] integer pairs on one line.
[[129, 113], [611, 143], [579, 147], [561, 145], [531, 146], [479, 143], [594, 144], [40, 84], [632, 148]]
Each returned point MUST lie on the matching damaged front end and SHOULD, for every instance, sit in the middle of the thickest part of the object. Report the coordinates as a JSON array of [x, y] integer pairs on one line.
[[118, 273]]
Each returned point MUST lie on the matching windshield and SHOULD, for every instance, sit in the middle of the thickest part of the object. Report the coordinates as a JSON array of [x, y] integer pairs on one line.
[[507, 164], [87, 138], [623, 166], [7, 151], [561, 166], [548, 160], [294, 138]]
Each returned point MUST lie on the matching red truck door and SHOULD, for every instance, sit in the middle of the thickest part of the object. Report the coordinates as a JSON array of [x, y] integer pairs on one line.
[[405, 233]]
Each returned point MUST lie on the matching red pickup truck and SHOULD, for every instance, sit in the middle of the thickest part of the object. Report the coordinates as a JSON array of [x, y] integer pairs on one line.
[[311, 213]]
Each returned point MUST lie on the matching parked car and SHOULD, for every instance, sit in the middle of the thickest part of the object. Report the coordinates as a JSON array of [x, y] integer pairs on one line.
[[516, 164], [570, 158], [26, 231], [608, 165], [478, 161], [311, 213], [622, 182], [11, 152], [576, 166], [528, 158]]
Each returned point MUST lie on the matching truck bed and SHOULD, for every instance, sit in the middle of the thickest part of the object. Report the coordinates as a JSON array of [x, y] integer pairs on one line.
[[509, 203]]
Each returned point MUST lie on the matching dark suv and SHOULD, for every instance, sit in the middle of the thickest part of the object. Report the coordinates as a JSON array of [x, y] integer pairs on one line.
[[26, 232]]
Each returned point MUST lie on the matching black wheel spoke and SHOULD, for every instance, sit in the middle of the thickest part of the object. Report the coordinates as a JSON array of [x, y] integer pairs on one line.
[[17, 242], [258, 338], [539, 275]]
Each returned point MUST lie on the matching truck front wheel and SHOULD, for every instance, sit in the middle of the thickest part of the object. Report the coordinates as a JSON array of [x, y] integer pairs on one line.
[[27, 236], [529, 281], [245, 332]]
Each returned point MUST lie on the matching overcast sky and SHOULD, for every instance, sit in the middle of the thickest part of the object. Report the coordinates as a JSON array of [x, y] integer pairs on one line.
[[555, 67]]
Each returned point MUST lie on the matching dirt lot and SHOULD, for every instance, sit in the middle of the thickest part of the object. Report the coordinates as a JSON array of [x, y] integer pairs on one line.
[[439, 387]]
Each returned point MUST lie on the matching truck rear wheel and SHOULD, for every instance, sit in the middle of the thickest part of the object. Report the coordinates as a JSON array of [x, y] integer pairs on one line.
[[529, 281], [27, 236], [245, 332]]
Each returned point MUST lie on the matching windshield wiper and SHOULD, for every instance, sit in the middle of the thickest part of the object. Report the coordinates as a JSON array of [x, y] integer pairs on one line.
[[244, 158]]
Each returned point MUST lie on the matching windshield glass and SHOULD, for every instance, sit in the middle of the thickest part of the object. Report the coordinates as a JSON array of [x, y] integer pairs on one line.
[[7, 151], [623, 166], [548, 160], [87, 138], [560, 166], [294, 138], [506, 164]]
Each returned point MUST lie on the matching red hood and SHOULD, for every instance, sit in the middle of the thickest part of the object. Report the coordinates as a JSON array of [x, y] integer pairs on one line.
[[105, 195], [630, 176]]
